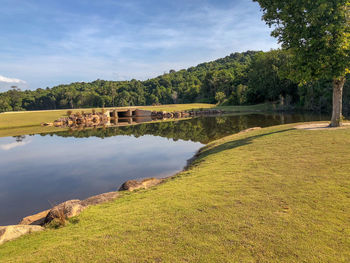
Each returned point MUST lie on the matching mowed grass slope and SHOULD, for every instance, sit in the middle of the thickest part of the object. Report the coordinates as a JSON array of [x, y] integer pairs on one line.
[[272, 195]]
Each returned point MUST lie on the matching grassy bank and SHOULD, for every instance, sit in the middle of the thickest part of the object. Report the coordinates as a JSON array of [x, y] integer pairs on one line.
[[28, 122], [272, 195]]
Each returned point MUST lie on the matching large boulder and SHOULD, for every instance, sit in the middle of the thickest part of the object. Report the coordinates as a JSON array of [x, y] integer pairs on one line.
[[129, 185], [37, 219], [133, 185], [8, 233], [65, 210], [99, 199]]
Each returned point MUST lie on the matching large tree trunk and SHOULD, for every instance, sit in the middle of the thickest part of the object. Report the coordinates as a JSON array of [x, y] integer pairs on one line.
[[338, 85]]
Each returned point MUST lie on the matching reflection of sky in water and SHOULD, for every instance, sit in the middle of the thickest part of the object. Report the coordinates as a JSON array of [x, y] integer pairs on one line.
[[11, 145], [40, 170], [36, 171]]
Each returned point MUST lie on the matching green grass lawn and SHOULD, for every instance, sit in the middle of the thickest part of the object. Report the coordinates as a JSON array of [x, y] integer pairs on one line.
[[272, 195], [28, 122]]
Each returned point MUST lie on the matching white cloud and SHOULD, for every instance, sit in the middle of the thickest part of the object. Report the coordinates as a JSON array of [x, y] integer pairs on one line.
[[12, 145], [118, 48], [6, 83], [11, 80]]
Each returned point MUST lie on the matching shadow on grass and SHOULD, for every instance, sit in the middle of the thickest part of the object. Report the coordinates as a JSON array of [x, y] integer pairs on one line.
[[233, 144]]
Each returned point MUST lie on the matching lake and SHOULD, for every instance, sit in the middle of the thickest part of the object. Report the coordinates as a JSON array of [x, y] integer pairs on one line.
[[43, 170]]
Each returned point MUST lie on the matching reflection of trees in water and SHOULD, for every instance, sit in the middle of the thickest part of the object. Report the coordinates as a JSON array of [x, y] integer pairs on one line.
[[19, 138], [202, 129]]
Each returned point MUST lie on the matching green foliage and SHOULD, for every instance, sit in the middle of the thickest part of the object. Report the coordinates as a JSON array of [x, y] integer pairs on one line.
[[238, 96], [244, 79], [196, 84], [219, 97], [266, 79], [316, 96], [317, 32]]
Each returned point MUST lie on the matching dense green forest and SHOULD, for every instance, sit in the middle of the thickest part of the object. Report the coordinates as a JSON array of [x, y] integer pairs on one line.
[[239, 79]]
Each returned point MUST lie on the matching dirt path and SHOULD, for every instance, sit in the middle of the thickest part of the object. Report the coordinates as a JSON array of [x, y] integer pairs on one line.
[[321, 126]]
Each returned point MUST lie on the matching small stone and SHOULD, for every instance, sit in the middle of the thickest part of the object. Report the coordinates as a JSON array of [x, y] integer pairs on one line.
[[132, 185]]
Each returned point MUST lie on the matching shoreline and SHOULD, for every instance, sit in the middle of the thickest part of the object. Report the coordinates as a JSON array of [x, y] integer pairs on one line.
[[74, 207], [249, 195], [145, 183]]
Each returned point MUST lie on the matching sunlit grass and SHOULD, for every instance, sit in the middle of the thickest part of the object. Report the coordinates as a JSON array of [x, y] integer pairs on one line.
[[271, 195]]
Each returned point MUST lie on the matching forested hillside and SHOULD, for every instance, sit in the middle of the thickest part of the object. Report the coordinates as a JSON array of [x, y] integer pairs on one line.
[[241, 78]]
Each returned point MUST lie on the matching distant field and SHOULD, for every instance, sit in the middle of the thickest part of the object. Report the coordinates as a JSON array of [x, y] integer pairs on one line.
[[28, 122], [272, 195]]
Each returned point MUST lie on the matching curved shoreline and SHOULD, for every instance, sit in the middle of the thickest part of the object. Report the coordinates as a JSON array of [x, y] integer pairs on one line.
[[130, 185], [246, 198], [73, 208]]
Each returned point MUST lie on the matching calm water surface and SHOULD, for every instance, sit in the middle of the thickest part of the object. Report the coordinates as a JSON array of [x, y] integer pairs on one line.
[[39, 171]]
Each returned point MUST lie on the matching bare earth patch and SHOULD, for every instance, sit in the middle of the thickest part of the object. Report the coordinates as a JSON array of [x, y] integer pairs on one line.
[[321, 126]]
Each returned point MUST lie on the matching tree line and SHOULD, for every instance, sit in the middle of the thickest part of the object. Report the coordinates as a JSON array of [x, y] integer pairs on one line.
[[239, 79]]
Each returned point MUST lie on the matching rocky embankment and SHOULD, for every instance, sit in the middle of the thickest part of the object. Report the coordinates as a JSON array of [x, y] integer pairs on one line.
[[86, 119], [62, 212]]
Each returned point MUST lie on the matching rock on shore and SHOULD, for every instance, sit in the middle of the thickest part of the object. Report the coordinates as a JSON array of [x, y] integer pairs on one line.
[[67, 210], [8, 233], [37, 219], [133, 185]]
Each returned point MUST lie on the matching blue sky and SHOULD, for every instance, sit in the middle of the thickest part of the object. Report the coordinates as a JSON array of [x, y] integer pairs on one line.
[[44, 43]]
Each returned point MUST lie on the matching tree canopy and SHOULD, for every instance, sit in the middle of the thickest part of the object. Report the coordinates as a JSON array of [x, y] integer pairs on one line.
[[240, 78], [317, 32]]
